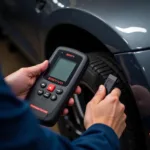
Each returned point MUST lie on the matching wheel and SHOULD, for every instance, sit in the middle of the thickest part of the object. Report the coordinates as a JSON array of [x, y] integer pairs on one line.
[[101, 65]]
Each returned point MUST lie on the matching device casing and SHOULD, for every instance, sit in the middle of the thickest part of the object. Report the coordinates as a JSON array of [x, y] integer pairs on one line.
[[46, 110]]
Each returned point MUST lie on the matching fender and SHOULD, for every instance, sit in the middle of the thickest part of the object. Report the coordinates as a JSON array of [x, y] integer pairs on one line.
[[88, 22]]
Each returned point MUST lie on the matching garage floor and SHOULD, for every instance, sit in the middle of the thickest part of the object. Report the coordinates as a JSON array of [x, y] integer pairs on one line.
[[12, 61]]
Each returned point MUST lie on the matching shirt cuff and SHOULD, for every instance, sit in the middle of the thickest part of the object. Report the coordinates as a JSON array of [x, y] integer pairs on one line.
[[109, 133]]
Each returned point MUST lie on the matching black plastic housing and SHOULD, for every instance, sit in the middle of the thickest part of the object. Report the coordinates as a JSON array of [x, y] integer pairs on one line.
[[46, 110]]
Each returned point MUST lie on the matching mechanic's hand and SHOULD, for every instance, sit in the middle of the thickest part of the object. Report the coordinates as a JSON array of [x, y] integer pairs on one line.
[[22, 80], [106, 110]]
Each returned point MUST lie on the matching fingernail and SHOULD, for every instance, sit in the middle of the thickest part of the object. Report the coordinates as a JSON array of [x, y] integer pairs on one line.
[[101, 88]]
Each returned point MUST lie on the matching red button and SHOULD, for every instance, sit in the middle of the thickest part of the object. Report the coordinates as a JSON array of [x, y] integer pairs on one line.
[[51, 87]]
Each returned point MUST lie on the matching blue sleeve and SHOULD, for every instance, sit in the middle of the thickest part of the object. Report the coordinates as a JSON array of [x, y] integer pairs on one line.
[[19, 130]]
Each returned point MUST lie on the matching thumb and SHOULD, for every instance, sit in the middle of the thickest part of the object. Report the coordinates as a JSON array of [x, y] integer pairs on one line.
[[100, 94], [38, 69]]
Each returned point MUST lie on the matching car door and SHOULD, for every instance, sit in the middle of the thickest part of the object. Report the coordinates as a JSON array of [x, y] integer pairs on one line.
[[22, 22]]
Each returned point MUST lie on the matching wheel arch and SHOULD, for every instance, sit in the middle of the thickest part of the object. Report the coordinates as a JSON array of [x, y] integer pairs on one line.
[[87, 22]]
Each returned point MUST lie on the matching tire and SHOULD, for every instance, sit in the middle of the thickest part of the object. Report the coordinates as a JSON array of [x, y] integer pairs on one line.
[[101, 65]]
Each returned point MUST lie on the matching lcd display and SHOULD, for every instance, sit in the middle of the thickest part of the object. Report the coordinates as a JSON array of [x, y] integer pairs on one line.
[[62, 69]]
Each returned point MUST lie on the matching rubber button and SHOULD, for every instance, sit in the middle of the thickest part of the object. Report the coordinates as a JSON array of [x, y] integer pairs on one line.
[[43, 85], [51, 87], [59, 91], [40, 92], [53, 97], [47, 95]]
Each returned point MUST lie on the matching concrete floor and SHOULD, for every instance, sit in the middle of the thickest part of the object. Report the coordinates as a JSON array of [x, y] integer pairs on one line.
[[12, 61]]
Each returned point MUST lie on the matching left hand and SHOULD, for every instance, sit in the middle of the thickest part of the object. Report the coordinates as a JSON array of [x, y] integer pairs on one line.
[[22, 80]]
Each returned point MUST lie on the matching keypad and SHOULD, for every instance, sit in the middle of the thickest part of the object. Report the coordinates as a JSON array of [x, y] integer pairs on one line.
[[53, 97], [59, 91], [51, 87], [50, 91], [43, 85], [47, 95], [40, 92]]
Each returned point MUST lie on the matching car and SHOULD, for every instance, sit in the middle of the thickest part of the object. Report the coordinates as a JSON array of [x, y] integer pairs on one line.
[[116, 37]]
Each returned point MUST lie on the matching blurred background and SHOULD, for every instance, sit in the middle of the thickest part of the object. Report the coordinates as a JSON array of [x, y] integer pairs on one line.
[[11, 60]]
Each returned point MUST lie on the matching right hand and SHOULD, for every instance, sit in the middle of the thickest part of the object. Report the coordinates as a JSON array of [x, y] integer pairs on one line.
[[106, 110]]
